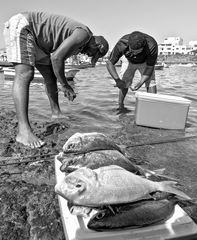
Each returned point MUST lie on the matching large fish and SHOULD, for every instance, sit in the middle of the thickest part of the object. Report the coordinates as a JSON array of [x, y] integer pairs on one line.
[[98, 159], [109, 185], [87, 142], [103, 158], [139, 214]]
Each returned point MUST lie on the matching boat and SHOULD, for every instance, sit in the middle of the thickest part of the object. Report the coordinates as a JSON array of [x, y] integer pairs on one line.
[[9, 73], [159, 66], [71, 73], [188, 64], [75, 227]]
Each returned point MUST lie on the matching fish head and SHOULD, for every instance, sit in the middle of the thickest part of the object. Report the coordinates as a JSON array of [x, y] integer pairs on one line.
[[80, 142], [73, 143], [60, 156], [76, 184], [71, 163], [100, 220]]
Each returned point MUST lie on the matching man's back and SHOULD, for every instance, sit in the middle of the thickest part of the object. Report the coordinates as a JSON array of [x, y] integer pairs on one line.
[[51, 30]]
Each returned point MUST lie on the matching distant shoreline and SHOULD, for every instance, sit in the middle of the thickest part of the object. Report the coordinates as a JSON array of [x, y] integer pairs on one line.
[[178, 59]]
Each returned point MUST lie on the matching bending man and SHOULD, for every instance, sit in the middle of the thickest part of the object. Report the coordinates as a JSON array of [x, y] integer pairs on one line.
[[140, 51], [45, 41]]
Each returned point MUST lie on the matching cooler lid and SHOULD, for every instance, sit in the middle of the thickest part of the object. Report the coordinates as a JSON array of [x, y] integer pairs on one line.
[[162, 97]]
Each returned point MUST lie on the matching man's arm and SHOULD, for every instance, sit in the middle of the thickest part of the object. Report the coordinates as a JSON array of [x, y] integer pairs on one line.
[[145, 77], [112, 71], [68, 47]]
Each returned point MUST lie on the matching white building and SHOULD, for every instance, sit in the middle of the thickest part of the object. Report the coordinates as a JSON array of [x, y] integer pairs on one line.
[[173, 40], [193, 44], [174, 45]]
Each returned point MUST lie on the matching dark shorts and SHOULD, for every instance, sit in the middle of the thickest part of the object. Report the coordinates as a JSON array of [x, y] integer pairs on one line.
[[128, 70]]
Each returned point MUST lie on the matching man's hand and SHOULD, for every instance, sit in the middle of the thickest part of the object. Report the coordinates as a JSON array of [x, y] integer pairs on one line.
[[68, 92], [120, 84], [135, 88]]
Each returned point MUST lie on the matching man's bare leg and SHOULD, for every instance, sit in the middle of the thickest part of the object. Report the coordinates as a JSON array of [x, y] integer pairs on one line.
[[122, 95], [51, 90], [152, 89], [23, 77]]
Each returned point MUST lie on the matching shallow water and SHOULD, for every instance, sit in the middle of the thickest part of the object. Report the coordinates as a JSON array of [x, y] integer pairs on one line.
[[94, 109]]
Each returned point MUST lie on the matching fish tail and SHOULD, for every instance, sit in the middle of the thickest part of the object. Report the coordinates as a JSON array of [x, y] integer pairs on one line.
[[155, 175], [159, 171], [171, 187]]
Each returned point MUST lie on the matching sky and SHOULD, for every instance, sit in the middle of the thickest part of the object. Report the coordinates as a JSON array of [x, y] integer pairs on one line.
[[115, 18]]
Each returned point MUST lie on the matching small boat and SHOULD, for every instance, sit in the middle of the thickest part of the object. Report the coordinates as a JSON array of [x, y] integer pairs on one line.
[[159, 66], [75, 227], [70, 73], [187, 64]]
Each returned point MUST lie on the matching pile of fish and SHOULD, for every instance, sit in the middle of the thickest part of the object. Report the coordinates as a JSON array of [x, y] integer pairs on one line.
[[102, 183]]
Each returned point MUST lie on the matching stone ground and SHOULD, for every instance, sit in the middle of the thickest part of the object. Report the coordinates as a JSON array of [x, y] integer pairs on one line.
[[29, 207]]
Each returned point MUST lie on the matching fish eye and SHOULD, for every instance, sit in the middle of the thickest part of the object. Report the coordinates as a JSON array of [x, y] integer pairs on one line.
[[70, 146], [100, 215], [78, 185]]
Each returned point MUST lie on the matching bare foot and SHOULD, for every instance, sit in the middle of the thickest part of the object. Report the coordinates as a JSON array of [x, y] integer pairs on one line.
[[123, 109], [29, 140]]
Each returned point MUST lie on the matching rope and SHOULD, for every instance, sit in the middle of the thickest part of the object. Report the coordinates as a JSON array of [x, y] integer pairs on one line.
[[50, 155], [41, 158], [163, 141], [26, 161]]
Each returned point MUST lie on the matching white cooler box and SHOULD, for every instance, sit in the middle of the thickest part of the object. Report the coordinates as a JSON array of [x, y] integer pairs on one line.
[[161, 111], [75, 228]]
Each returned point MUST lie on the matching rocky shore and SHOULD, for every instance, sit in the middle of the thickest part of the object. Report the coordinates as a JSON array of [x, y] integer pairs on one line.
[[29, 207]]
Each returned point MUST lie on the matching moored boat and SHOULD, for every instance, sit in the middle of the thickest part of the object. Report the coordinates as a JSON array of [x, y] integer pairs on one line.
[[159, 66]]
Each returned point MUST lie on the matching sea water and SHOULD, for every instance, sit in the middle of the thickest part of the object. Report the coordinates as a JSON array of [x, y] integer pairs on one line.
[[95, 107]]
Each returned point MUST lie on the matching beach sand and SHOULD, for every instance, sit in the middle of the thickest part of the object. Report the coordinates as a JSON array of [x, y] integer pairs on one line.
[[28, 204]]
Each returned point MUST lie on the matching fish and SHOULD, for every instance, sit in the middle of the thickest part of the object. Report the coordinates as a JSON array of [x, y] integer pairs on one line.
[[94, 160], [110, 185], [101, 158], [86, 142], [138, 214]]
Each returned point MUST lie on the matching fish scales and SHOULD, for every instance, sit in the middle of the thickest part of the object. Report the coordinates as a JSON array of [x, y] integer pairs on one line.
[[98, 159], [110, 185]]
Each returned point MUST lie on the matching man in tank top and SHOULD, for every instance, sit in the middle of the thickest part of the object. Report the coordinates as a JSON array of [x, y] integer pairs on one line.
[[137, 51], [45, 41]]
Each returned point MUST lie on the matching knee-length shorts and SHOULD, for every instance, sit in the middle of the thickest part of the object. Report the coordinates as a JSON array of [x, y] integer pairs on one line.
[[128, 70], [20, 43]]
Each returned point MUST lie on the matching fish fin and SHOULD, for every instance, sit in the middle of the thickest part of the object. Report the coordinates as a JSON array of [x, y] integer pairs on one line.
[[184, 203], [171, 187], [158, 177], [159, 171], [122, 146], [111, 209]]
